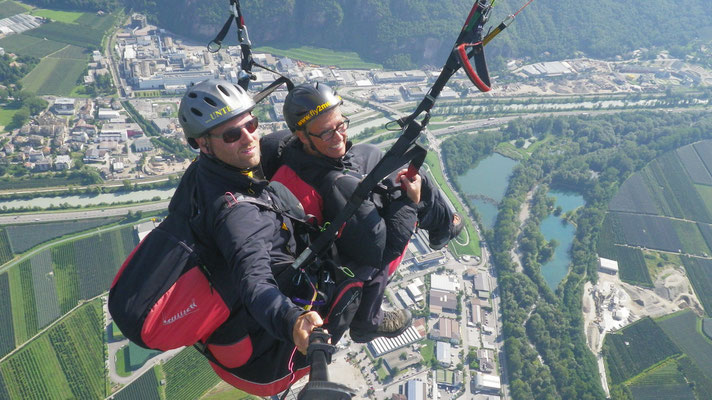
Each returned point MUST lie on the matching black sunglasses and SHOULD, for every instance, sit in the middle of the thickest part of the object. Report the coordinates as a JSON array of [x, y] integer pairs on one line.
[[329, 133], [234, 134]]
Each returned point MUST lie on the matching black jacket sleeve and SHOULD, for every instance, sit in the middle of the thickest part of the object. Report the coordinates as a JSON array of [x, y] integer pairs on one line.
[[244, 236]]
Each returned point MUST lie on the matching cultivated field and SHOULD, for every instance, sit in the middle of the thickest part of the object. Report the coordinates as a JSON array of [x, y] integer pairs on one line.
[[67, 17], [7, 334], [325, 57], [663, 382], [56, 76], [700, 273], [635, 349], [78, 35], [682, 328], [65, 362], [145, 388], [26, 236], [188, 375], [9, 8], [32, 46]]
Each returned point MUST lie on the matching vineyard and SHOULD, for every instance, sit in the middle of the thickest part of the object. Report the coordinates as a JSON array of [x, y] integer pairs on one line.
[[704, 150], [7, 334], [44, 288], [188, 375], [636, 348], [702, 384], [100, 23], [677, 189], [648, 231], [706, 230], [144, 388], [693, 164], [633, 196], [99, 257], [682, 329], [30, 46], [57, 76], [26, 236], [5, 249], [632, 266], [29, 309], [82, 36], [691, 238], [67, 361], [700, 273], [65, 276], [8, 9], [663, 382], [34, 372]]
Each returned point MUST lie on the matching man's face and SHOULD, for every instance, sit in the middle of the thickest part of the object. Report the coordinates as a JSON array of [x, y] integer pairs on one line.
[[334, 147], [242, 153]]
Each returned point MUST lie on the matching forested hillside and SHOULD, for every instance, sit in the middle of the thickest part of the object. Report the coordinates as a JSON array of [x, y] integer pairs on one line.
[[398, 33]]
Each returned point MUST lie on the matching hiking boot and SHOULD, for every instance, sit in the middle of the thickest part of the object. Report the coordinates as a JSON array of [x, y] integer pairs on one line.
[[440, 238], [394, 323]]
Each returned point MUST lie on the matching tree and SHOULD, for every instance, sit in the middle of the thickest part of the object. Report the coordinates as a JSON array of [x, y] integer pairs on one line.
[[21, 117], [35, 105]]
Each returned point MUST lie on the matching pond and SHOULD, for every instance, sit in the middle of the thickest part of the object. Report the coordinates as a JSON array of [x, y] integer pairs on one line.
[[553, 227], [486, 184], [86, 200]]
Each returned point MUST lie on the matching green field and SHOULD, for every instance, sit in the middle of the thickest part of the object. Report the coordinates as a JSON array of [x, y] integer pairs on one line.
[[9, 8], [95, 21], [663, 382], [32, 46], [54, 76], [6, 115], [324, 57], [67, 361], [78, 35], [636, 348], [700, 273], [188, 375], [72, 52], [706, 194], [67, 17], [683, 328]]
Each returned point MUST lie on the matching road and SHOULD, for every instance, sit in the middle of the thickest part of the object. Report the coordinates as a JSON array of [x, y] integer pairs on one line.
[[81, 214]]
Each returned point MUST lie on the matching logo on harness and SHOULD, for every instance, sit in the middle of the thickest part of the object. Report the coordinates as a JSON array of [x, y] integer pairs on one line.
[[190, 309]]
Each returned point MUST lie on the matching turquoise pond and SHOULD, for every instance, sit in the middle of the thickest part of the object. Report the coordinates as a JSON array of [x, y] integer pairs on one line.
[[553, 227]]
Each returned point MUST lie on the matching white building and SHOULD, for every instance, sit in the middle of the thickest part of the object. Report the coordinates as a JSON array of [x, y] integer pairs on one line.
[[444, 283], [607, 266], [487, 382], [415, 389], [63, 162], [63, 106]]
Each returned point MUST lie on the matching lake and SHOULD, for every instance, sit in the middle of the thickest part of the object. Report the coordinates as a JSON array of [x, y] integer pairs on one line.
[[488, 183], [86, 200], [553, 227]]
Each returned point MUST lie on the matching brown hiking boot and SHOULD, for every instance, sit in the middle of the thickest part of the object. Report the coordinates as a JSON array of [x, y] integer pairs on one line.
[[394, 323]]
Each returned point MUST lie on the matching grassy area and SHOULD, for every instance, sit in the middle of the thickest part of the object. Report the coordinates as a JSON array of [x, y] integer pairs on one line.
[[473, 246], [57, 76], [30, 46], [67, 17], [427, 351], [706, 194], [147, 93], [121, 357], [382, 373], [325, 57], [223, 391], [9, 8], [6, 115]]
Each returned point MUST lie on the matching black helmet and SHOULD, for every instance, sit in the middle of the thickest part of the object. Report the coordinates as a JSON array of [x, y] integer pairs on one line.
[[209, 104], [306, 101]]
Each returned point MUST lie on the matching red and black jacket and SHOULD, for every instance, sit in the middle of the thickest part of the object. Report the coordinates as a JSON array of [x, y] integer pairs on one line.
[[377, 234]]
